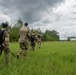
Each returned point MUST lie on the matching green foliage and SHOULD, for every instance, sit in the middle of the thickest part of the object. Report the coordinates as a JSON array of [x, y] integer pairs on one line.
[[51, 35], [14, 34], [47, 35], [19, 23], [14, 31]]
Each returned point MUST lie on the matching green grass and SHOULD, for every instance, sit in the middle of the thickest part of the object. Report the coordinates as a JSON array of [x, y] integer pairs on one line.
[[53, 58]]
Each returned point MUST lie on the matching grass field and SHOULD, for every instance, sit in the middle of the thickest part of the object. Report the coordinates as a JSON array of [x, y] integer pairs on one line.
[[54, 58]]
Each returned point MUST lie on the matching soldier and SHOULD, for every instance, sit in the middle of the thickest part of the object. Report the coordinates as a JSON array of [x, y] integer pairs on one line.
[[4, 43], [32, 41], [39, 39], [23, 39]]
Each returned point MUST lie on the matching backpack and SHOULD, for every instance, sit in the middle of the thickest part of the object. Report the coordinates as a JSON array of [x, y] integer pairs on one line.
[[1, 36], [32, 39], [39, 36]]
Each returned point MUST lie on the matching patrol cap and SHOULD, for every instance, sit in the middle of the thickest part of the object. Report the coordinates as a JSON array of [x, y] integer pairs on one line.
[[4, 25]]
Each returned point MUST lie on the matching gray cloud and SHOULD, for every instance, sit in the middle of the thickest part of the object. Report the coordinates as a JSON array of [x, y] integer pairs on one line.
[[38, 13], [28, 10]]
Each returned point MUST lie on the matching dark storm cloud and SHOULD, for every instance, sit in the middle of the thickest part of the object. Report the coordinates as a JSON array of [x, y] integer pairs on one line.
[[27, 10]]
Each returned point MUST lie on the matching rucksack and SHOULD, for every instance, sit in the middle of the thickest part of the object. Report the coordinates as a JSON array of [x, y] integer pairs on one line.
[[32, 39], [39, 36], [2, 39]]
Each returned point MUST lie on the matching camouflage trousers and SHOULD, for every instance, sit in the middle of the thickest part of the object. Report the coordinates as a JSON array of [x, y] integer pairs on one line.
[[39, 42], [32, 45], [23, 46], [6, 55]]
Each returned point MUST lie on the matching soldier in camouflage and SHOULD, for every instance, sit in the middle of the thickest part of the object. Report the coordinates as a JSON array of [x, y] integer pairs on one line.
[[6, 41], [23, 39], [32, 41], [39, 39]]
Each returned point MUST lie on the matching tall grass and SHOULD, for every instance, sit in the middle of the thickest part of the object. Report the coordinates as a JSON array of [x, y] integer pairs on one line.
[[53, 58]]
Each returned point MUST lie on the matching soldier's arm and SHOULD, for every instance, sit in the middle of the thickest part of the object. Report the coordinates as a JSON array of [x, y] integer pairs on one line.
[[29, 33], [6, 42]]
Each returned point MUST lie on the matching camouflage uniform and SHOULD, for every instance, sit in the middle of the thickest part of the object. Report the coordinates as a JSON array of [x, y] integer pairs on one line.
[[23, 40], [39, 40], [6, 44], [32, 41]]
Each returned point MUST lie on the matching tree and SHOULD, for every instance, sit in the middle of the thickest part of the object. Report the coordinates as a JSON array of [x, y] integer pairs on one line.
[[68, 39], [19, 23], [51, 35], [15, 30]]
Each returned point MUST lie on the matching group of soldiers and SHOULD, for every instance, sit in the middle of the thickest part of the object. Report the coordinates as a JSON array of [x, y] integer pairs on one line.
[[26, 37]]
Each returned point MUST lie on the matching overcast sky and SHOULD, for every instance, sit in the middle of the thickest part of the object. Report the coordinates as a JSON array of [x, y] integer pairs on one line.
[[47, 14]]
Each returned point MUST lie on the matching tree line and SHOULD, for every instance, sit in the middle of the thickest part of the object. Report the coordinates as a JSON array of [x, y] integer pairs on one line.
[[48, 35]]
